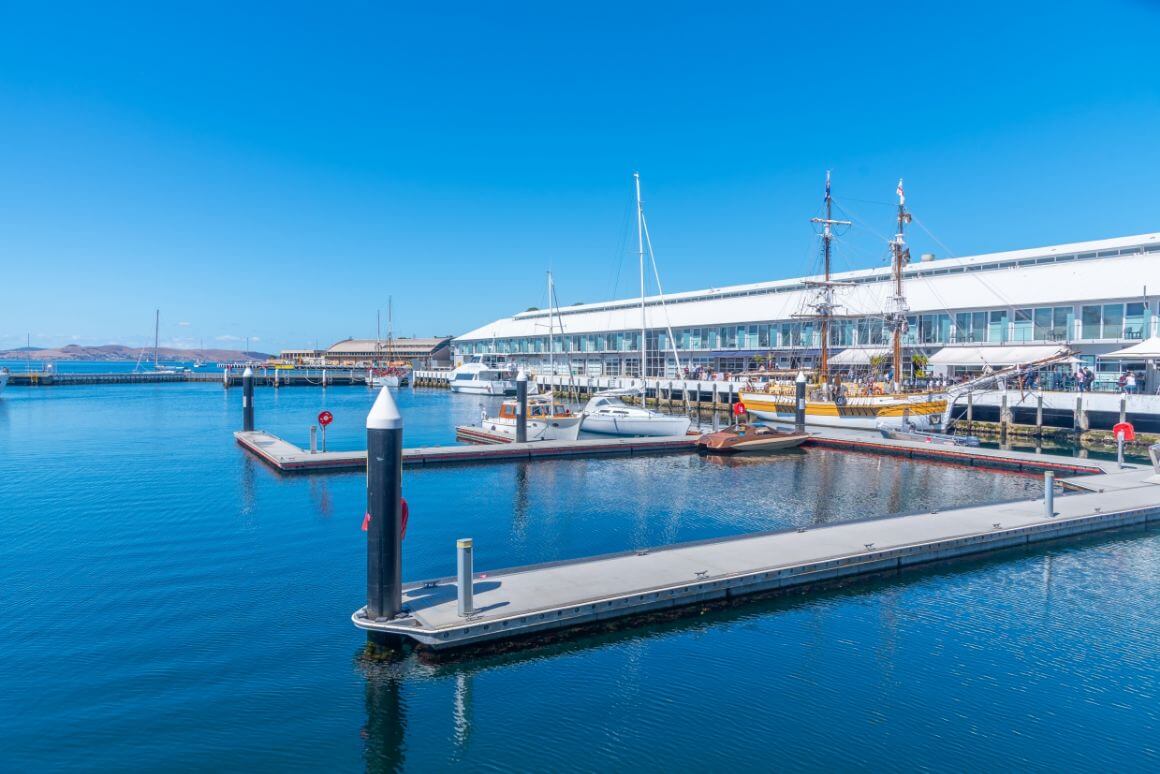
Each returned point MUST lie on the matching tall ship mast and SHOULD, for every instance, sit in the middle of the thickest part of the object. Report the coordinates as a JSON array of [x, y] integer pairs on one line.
[[897, 307], [824, 305]]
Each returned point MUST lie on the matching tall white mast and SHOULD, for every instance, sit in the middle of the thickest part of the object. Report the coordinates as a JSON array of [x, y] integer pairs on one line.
[[156, 333], [551, 328], [640, 255]]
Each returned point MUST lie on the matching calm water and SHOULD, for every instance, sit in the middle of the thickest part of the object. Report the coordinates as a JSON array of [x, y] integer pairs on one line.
[[169, 603]]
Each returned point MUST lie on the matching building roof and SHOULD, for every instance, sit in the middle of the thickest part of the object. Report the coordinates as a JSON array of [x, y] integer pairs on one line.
[[405, 347], [1059, 274]]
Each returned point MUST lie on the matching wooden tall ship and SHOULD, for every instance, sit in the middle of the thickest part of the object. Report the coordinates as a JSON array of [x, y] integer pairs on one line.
[[830, 402]]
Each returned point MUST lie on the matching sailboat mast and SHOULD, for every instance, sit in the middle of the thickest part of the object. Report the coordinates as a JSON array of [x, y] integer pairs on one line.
[[825, 304], [901, 256], [551, 328], [827, 236], [640, 255], [156, 333]]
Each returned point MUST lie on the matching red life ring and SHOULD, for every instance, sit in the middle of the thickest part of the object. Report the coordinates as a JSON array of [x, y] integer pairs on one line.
[[1125, 428], [738, 409]]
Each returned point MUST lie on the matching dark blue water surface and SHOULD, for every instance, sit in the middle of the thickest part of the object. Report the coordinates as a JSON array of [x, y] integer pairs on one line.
[[166, 602]]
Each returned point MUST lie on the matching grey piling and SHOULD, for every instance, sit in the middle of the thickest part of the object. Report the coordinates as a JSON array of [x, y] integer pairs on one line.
[[1004, 414], [465, 576], [1123, 408], [1120, 449], [1049, 493], [248, 399], [384, 516], [226, 377], [970, 408], [314, 439], [799, 411], [1039, 413], [521, 407]]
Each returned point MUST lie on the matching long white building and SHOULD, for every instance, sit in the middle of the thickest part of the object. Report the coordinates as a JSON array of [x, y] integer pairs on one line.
[[965, 312]]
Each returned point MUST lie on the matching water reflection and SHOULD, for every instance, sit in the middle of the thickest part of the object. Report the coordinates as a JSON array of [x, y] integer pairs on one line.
[[385, 732]]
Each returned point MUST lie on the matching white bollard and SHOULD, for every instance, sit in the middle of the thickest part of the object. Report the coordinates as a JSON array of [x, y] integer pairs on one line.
[[465, 575], [1049, 493]]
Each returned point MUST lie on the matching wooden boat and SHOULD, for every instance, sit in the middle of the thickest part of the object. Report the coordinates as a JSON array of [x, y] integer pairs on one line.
[[548, 420], [749, 438]]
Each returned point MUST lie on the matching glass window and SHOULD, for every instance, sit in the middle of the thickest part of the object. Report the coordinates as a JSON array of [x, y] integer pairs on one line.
[[997, 327], [1023, 325], [1113, 321], [1061, 323], [763, 336], [1090, 325], [1041, 329], [1134, 322]]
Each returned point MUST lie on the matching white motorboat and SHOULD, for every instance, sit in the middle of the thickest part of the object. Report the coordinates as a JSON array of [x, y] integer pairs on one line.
[[3, 378], [607, 414], [548, 420], [483, 377]]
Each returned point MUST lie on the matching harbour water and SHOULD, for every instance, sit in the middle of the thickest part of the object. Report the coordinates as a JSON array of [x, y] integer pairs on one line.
[[169, 602]]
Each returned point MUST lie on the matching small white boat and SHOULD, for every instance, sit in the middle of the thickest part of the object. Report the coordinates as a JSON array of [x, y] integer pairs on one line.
[[482, 378], [547, 420], [607, 414], [3, 378]]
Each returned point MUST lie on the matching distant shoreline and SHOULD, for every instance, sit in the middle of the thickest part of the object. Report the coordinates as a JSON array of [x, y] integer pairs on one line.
[[120, 353]]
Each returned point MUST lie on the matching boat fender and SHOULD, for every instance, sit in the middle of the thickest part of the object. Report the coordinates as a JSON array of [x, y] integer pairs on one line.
[[406, 515], [840, 400]]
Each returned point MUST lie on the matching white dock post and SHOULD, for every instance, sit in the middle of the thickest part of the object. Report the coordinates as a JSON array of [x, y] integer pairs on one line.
[[226, 377], [1120, 449], [1039, 412], [1123, 408], [248, 399], [465, 577], [314, 439], [1049, 493]]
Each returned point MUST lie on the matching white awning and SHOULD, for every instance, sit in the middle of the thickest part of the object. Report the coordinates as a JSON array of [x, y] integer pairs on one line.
[[992, 356], [1145, 350], [857, 356]]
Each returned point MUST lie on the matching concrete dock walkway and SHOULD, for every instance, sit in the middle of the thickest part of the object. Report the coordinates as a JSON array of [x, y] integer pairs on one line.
[[533, 600]]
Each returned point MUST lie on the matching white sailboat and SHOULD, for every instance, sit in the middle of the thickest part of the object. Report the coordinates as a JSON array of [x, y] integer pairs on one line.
[[606, 413]]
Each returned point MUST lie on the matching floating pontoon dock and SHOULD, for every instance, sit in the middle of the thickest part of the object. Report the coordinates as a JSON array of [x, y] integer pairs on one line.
[[530, 601], [285, 457]]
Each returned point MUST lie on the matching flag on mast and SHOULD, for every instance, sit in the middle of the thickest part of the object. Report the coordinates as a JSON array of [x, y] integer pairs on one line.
[[901, 195]]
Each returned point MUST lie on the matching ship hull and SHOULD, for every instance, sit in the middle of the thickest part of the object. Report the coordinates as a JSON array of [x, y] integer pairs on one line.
[[857, 413]]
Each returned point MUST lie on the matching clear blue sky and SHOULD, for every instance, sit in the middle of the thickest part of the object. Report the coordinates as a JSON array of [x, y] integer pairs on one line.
[[276, 170]]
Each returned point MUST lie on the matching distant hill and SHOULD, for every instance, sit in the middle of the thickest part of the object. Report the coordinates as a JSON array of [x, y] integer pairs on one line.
[[121, 352]]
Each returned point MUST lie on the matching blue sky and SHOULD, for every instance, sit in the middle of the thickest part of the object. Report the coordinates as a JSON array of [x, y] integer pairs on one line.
[[277, 170]]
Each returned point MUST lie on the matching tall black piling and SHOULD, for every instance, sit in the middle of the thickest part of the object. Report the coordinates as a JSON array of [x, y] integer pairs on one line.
[[799, 408], [248, 399], [521, 407], [384, 516]]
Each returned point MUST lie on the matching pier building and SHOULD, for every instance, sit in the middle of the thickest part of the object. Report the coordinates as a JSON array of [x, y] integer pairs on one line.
[[433, 352], [964, 314]]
